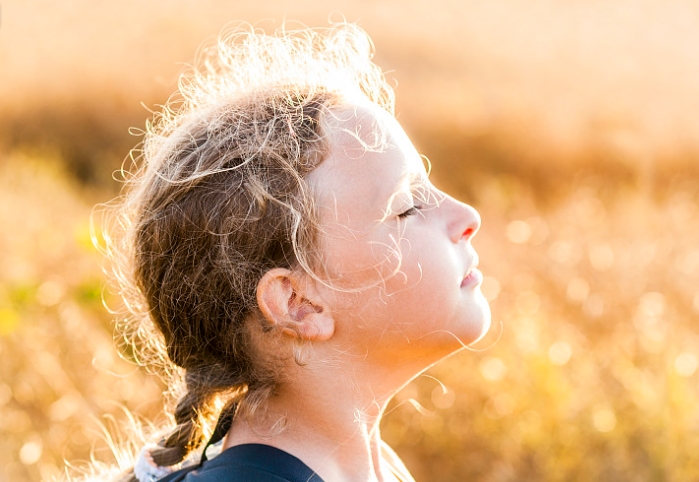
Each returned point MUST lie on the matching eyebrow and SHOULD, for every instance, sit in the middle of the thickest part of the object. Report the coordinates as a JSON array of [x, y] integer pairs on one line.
[[411, 181], [413, 178], [407, 180]]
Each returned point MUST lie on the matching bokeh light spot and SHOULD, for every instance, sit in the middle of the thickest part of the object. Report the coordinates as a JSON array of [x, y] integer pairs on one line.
[[688, 263], [519, 231], [601, 257], [578, 289], [564, 252], [560, 353], [492, 369], [490, 288], [50, 293], [603, 419], [65, 407], [528, 302], [652, 305], [499, 406], [443, 398], [594, 305], [30, 453], [686, 364], [527, 340]]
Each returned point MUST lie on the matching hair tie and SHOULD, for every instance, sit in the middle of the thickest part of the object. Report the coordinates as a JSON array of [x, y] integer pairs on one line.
[[145, 469], [223, 425]]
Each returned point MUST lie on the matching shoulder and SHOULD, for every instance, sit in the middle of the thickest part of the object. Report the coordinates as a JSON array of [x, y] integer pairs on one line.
[[395, 463], [248, 463]]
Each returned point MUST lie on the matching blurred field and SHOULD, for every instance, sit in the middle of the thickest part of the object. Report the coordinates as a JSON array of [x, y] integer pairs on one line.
[[573, 128]]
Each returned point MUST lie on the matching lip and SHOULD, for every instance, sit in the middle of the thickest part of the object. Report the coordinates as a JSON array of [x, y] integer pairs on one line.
[[473, 278]]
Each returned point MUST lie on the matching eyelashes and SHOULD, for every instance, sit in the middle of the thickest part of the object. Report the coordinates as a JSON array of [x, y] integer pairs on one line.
[[410, 212], [424, 197]]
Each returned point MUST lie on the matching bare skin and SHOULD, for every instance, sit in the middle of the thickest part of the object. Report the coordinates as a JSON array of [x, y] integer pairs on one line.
[[361, 346]]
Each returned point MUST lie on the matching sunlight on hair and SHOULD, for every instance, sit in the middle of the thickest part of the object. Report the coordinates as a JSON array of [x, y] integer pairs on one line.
[[244, 129]]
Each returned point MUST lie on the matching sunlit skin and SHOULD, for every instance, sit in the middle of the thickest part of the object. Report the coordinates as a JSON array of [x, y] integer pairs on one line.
[[398, 291], [403, 243]]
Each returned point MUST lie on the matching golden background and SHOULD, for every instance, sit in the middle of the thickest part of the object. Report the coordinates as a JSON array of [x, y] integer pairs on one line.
[[571, 125]]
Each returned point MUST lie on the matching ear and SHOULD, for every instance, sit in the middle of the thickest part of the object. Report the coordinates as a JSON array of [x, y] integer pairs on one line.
[[289, 302]]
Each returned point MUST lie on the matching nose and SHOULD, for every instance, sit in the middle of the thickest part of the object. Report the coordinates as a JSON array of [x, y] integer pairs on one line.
[[464, 221]]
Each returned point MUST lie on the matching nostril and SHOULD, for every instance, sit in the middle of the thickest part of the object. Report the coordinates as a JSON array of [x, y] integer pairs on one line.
[[467, 233]]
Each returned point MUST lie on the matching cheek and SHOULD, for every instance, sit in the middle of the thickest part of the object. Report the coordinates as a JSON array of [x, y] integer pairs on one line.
[[360, 262], [423, 282], [427, 266], [411, 267], [427, 292]]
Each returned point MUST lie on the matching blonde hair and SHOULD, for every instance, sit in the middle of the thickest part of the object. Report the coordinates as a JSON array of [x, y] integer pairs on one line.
[[218, 198]]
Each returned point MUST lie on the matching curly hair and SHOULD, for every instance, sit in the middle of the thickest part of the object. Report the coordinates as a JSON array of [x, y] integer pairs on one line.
[[219, 197]]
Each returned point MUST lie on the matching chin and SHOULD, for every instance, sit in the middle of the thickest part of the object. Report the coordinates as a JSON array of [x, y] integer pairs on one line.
[[484, 325], [479, 321]]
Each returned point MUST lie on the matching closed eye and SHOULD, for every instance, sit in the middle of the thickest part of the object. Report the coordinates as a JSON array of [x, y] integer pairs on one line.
[[410, 212]]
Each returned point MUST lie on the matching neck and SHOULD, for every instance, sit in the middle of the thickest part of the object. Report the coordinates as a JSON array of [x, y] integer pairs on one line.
[[330, 416]]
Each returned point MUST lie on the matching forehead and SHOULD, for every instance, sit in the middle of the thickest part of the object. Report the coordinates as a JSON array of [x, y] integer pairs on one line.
[[370, 159]]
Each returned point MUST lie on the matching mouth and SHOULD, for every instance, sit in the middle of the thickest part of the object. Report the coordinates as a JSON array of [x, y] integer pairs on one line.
[[473, 278]]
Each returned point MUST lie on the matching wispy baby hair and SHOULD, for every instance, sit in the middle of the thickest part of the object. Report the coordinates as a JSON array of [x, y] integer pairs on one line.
[[218, 198]]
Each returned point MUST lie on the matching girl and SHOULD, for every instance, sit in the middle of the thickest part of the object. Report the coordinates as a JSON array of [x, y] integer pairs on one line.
[[283, 254]]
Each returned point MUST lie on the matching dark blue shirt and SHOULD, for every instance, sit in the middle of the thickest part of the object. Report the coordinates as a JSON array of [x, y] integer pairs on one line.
[[248, 463]]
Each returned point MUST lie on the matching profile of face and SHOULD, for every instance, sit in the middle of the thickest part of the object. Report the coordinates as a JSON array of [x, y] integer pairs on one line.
[[396, 251]]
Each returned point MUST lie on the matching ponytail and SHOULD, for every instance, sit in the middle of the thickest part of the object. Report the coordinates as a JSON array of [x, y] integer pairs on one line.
[[193, 410]]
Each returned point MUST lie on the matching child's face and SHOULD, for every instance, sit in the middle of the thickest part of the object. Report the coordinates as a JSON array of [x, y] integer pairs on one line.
[[399, 242]]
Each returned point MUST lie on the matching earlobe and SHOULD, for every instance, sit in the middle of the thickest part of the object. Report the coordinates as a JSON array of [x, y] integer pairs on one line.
[[293, 306]]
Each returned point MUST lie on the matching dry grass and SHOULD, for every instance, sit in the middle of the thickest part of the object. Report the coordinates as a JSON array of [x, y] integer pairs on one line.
[[570, 125], [594, 377], [546, 80]]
